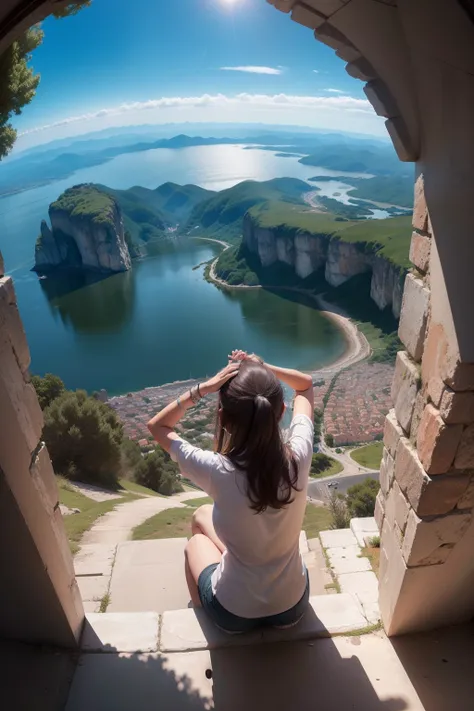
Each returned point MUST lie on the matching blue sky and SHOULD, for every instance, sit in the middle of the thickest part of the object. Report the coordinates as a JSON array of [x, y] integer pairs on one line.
[[130, 62]]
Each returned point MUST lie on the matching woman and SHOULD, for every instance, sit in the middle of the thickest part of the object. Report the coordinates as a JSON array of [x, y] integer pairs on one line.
[[243, 563]]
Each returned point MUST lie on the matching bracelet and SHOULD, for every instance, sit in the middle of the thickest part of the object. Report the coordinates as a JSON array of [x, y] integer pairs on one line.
[[195, 394], [179, 403]]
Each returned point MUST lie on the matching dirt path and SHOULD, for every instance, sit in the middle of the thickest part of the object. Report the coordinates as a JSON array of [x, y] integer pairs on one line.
[[117, 525]]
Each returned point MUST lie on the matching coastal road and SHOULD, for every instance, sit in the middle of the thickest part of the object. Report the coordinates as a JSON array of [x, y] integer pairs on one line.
[[319, 489]]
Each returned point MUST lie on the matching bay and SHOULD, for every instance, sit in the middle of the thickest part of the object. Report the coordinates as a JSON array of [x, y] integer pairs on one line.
[[161, 321]]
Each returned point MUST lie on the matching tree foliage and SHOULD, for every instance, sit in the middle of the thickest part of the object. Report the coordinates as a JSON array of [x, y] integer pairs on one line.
[[47, 389], [329, 439], [84, 438], [361, 497], [157, 471], [320, 463], [340, 516], [18, 81]]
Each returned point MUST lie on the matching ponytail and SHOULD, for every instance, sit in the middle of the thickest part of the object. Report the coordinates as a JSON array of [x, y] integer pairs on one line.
[[251, 408]]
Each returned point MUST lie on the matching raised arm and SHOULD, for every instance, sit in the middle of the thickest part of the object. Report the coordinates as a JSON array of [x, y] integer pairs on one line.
[[163, 423], [301, 383]]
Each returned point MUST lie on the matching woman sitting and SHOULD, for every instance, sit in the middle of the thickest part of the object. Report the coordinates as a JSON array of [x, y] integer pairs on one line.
[[243, 563]]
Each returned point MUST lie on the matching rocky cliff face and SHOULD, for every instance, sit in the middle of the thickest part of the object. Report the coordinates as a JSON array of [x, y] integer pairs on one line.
[[82, 240], [341, 260]]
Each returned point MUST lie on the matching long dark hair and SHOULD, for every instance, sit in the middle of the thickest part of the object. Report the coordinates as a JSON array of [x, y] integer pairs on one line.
[[248, 433]]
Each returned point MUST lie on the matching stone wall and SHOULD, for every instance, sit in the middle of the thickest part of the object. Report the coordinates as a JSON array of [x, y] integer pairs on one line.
[[424, 507], [39, 596]]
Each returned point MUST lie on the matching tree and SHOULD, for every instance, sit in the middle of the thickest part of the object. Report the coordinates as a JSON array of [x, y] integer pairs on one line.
[[18, 81], [131, 455], [329, 439], [340, 517], [84, 438], [157, 471], [47, 389], [361, 498], [320, 462]]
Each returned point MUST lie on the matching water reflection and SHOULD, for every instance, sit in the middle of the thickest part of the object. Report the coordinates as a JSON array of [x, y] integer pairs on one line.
[[91, 303]]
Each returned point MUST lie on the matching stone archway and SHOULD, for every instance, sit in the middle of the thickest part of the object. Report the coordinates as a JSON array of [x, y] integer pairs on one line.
[[417, 58]]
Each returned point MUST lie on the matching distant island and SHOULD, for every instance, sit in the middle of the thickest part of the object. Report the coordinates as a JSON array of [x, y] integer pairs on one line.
[[327, 151], [94, 227]]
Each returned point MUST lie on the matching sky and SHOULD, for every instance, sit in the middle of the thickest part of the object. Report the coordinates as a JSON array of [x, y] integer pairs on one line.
[[135, 62]]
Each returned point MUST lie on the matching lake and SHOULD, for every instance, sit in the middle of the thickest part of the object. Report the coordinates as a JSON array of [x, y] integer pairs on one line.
[[161, 321]]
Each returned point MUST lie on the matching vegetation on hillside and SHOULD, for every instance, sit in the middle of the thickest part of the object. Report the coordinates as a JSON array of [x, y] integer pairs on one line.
[[86, 201], [322, 466], [360, 498], [18, 81], [369, 456], [393, 189], [86, 443], [377, 160], [222, 214]]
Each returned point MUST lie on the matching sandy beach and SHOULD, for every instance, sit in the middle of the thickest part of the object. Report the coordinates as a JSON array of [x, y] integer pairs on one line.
[[358, 347]]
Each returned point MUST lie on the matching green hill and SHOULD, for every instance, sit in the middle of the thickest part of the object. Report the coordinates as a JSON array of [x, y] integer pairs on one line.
[[389, 238], [148, 213], [379, 160], [222, 214]]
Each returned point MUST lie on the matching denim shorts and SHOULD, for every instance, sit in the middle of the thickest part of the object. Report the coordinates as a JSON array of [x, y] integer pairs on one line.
[[234, 624]]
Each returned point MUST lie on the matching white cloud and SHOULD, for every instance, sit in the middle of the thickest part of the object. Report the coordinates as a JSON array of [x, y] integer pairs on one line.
[[254, 70], [316, 71], [346, 104], [335, 91]]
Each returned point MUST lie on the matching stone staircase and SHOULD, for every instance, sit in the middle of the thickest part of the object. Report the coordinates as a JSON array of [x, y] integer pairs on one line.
[[149, 619]]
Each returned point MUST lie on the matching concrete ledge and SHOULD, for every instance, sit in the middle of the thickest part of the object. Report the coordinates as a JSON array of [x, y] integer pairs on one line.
[[338, 538], [185, 630], [94, 559], [121, 632], [363, 527]]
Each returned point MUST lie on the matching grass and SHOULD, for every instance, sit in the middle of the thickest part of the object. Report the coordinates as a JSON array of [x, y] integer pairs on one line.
[[86, 201], [173, 523], [335, 468], [77, 524], [196, 503], [133, 488], [373, 554], [104, 603], [316, 519], [369, 456]]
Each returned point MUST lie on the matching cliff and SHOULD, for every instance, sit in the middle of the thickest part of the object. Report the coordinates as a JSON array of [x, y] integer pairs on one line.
[[342, 249], [87, 232]]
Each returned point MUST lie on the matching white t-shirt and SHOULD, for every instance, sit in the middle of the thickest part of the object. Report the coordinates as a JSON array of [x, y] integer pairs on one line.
[[261, 572]]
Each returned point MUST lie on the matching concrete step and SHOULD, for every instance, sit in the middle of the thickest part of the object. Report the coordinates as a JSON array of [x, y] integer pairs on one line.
[[149, 576], [190, 629]]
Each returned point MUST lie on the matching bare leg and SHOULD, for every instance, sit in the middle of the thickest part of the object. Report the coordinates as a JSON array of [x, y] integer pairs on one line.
[[202, 523], [200, 552]]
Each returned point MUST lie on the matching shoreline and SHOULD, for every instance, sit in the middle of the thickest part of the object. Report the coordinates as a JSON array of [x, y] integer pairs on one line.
[[358, 347]]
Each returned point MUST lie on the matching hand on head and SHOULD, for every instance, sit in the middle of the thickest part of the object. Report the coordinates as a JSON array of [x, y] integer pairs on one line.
[[238, 356]]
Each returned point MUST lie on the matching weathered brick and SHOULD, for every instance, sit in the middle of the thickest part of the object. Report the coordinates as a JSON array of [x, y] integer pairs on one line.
[[42, 475], [467, 499], [379, 511], [361, 69], [431, 542], [465, 454], [387, 466], [457, 408], [428, 497], [437, 442], [397, 507], [381, 98], [420, 249], [420, 403], [420, 208], [332, 37], [391, 433], [405, 385], [414, 316], [11, 326], [307, 16], [441, 362]]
